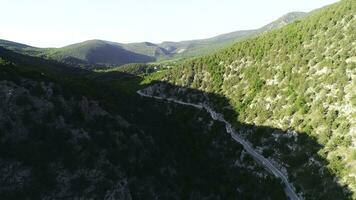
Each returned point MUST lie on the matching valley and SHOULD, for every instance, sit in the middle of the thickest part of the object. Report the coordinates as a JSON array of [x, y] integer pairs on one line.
[[266, 113], [229, 129]]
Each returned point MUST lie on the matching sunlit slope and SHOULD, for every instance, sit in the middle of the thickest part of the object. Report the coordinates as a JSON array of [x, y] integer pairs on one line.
[[300, 77]]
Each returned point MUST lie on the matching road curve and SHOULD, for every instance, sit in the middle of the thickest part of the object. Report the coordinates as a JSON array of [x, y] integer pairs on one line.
[[249, 149]]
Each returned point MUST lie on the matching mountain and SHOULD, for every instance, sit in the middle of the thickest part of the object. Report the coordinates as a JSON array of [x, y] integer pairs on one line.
[[23, 48], [300, 79], [99, 52], [282, 21], [201, 47], [71, 133], [147, 48], [15, 45]]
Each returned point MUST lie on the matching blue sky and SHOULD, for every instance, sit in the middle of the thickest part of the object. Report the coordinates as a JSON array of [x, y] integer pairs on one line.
[[49, 23]]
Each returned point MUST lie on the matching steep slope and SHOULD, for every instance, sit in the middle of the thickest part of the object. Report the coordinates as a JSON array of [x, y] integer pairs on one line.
[[300, 78], [69, 133]]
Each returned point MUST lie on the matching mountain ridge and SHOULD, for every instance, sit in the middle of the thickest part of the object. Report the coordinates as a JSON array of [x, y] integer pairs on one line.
[[92, 52]]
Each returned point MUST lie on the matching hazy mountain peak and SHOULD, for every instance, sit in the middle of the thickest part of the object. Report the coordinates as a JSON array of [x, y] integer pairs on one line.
[[284, 20]]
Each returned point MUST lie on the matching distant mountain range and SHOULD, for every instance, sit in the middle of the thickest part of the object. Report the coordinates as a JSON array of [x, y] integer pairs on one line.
[[99, 52]]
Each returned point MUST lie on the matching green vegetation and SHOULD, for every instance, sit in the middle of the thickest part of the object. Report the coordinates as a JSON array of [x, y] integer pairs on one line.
[[300, 77], [68, 129], [133, 68], [69, 132], [97, 52]]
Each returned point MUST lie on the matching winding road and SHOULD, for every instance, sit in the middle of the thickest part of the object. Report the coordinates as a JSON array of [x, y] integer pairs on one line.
[[249, 149]]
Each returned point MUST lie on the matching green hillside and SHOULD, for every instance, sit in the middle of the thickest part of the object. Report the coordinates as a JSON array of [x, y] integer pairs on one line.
[[148, 49], [72, 133], [23, 48], [99, 52], [300, 78], [68, 131]]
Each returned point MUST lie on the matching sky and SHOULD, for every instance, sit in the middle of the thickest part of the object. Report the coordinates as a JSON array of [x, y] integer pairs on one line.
[[56, 23]]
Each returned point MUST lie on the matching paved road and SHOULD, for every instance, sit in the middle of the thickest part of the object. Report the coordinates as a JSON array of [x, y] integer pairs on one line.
[[249, 149]]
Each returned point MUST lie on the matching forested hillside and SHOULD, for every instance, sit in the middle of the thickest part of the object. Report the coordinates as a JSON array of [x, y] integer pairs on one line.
[[299, 78], [67, 133], [93, 120], [96, 52]]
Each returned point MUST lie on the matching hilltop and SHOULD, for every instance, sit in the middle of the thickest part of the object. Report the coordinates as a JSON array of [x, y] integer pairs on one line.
[[100, 52]]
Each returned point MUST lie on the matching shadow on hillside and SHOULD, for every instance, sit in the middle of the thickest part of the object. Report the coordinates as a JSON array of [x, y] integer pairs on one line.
[[116, 55], [295, 151]]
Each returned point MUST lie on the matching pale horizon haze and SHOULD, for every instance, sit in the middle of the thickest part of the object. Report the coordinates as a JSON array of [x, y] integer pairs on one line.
[[47, 23]]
